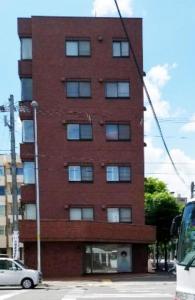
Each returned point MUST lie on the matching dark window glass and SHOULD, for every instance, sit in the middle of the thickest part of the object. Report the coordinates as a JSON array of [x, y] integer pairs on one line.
[[19, 171], [85, 132], [124, 132], [78, 89], [124, 173], [125, 215], [2, 190], [86, 173], [119, 89], [26, 89]]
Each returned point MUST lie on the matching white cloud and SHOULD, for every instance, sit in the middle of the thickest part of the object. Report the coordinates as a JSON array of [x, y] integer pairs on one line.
[[107, 8], [158, 165], [190, 126], [157, 77]]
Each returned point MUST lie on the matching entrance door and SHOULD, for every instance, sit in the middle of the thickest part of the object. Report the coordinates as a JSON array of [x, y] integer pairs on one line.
[[124, 259]]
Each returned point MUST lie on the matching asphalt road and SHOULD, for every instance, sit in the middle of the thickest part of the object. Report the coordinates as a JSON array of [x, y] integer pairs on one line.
[[95, 290]]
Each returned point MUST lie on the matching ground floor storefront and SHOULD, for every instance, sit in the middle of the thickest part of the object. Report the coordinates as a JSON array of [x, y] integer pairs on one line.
[[61, 259]]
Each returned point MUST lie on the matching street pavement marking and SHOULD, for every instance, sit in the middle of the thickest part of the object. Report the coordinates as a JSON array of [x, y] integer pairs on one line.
[[7, 296], [111, 296]]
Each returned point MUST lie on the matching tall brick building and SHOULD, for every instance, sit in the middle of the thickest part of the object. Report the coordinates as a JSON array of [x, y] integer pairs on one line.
[[90, 137]]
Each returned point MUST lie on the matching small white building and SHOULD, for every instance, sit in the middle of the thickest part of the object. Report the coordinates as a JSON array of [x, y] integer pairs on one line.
[[6, 216]]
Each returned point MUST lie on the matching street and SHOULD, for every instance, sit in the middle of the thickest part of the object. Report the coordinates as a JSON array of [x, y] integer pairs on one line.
[[105, 289]]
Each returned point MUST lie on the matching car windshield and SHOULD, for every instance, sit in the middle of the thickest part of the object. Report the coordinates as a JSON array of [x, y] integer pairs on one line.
[[21, 264], [186, 243]]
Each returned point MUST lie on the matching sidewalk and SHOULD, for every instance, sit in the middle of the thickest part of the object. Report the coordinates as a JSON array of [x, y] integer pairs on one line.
[[158, 276]]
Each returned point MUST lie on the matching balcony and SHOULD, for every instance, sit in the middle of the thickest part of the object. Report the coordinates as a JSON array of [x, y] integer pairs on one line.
[[28, 193], [60, 230], [25, 68], [27, 151]]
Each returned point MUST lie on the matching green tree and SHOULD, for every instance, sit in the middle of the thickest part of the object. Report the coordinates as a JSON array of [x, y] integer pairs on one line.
[[160, 209]]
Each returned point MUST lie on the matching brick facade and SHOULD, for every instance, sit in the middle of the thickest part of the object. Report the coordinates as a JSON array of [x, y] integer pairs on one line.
[[50, 68]]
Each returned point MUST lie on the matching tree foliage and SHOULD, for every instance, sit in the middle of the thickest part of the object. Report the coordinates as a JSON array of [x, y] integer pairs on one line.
[[160, 209]]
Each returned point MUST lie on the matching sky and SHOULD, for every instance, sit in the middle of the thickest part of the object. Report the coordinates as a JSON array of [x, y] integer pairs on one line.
[[169, 62]]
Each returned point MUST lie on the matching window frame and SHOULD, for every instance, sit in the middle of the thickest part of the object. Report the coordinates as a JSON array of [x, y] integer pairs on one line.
[[26, 213], [81, 167], [119, 214], [78, 82], [118, 174], [117, 82], [32, 174], [118, 125], [22, 48], [79, 132], [26, 89], [120, 41], [78, 42], [81, 211], [25, 132]]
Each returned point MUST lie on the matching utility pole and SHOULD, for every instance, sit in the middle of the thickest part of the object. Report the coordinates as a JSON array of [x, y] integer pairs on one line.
[[192, 189], [35, 106], [11, 125]]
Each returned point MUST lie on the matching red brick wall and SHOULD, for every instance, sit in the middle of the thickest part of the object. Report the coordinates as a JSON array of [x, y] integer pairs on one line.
[[57, 259], [49, 66]]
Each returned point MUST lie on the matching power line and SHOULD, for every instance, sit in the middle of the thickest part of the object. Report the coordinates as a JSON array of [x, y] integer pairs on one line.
[[140, 73]]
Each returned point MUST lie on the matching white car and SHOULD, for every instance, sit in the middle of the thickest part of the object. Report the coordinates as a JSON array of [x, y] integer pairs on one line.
[[14, 272]]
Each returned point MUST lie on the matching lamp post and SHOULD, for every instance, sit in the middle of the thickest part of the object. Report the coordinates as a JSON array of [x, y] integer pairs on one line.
[[35, 106]]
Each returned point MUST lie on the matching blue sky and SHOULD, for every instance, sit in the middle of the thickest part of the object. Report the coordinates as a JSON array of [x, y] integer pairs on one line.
[[169, 47]]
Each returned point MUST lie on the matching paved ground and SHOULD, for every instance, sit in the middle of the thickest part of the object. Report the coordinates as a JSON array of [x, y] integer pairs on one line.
[[146, 287]]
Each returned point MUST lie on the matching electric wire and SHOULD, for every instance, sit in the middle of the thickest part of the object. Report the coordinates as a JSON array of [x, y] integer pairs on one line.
[[140, 73]]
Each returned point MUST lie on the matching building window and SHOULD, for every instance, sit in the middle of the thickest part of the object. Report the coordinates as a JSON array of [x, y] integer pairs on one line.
[[80, 173], [78, 214], [2, 230], [78, 48], [118, 173], [78, 89], [30, 211], [117, 89], [19, 171], [2, 210], [1, 170], [117, 132], [27, 131], [26, 48], [79, 132], [26, 89], [120, 48], [2, 191], [29, 172], [119, 215]]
